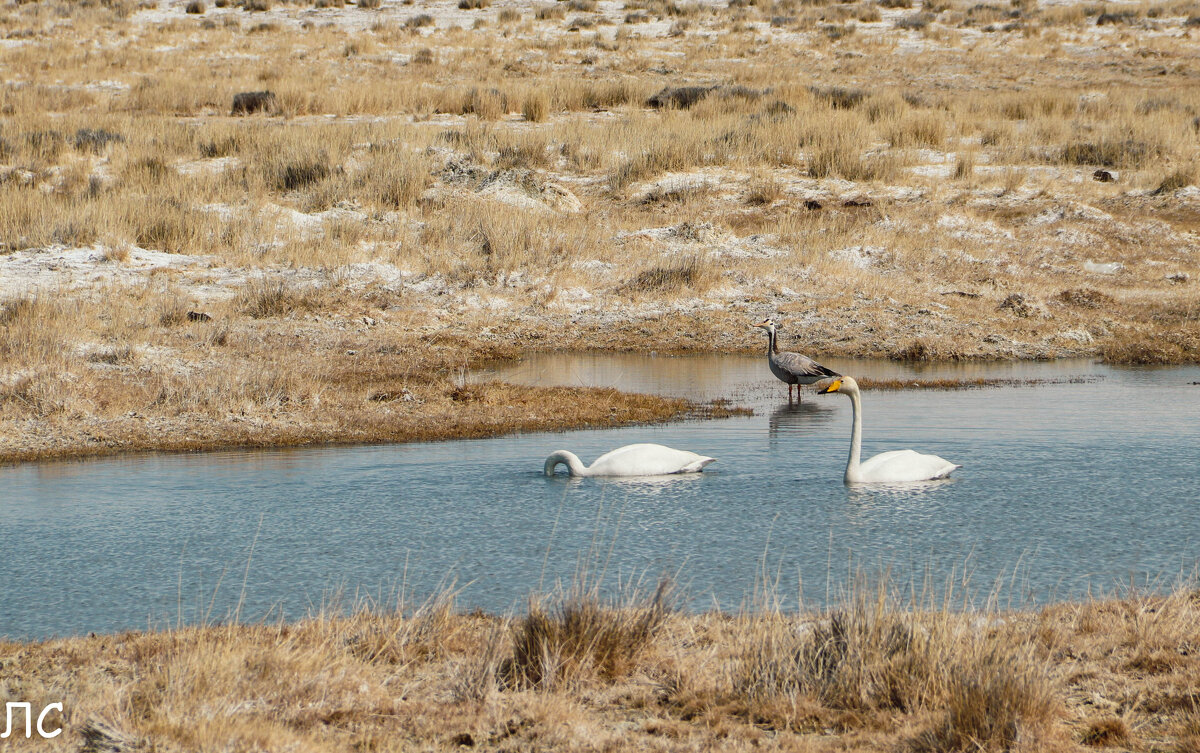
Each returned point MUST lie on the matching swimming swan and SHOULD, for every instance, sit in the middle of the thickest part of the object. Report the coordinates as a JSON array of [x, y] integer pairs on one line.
[[631, 460], [886, 467]]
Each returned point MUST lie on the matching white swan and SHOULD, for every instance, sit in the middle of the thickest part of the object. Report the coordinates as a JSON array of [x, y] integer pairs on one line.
[[631, 460], [886, 467]]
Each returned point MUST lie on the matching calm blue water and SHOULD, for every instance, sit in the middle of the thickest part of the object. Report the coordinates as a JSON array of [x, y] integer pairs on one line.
[[1070, 486]]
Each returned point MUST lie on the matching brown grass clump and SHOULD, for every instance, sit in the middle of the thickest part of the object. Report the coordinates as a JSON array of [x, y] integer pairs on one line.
[[1175, 181], [265, 298], [1106, 732], [536, 106], [870, 673], [580, 637], [1088, 298], [689, 272]]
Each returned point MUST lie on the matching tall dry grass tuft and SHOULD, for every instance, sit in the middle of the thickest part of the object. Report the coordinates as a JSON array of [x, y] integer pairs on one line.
[[873, 654], [577, 636], [264, 297], [689, 272]]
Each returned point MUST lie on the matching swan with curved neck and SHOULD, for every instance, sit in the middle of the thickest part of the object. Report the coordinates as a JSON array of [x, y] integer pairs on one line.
[[631, 460], [888, 467], [791, 368]]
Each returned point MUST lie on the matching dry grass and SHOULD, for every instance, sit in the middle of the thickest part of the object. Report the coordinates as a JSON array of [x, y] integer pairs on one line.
[[871, 673], [517, 178]]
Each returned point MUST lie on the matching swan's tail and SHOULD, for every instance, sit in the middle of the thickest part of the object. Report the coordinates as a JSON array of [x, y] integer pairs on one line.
[[697, 466]]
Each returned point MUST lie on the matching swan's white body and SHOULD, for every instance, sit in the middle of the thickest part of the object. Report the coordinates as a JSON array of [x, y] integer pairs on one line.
[[897, 466], [631, 460]]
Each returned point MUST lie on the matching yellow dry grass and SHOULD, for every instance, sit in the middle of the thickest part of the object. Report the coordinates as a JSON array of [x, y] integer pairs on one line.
[[580, 672], [654, 178]]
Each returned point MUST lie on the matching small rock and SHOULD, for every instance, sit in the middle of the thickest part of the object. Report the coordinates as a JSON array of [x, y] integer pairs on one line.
[[351, 352], [1105, 176], [247, 103], [463, 739], [857, 201], [369, 321], [812, 204], [1178, 277], [198, 316]]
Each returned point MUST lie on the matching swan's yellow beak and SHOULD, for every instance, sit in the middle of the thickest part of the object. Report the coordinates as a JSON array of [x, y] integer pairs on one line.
[[832, 386]]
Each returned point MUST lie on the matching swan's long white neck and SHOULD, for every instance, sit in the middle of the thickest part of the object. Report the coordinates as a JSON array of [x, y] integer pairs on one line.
[[567, 458], [854, 461]]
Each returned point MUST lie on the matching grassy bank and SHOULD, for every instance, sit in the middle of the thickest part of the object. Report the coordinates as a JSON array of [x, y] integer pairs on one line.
[[433, 184], [577, 673]]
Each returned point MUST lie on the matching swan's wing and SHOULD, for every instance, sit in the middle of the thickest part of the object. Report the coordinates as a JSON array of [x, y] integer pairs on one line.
[[905, 465], [647, 460], [802, 366]]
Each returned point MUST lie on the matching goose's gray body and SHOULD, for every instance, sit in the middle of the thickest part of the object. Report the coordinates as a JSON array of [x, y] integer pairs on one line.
[[792, 368]]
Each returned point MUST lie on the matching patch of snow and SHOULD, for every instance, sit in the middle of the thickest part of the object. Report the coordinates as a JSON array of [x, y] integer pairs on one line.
[[1104, 268]]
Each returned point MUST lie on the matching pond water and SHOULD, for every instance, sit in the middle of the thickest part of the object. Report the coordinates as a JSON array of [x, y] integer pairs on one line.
[[1067, 486]]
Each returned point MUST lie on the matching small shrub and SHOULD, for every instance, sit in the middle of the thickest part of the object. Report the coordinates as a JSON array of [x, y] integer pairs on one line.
[[369, 4], [536, 106], [508, 16], [549, 12], [286, 173], [257, 5], [1175, 181], [964, 165], [581, 637], [488, 104], [914, 22], [1106, 732], [264, 298], [839, 98], [473, 4], [669, 277], [764, 192], [423, 56], [418, 21], [1108, 153], [195, 7], [582, 6], [95, 140], [1084, 298]]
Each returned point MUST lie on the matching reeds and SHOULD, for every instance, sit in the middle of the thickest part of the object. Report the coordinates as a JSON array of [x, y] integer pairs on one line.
[[872, 669]]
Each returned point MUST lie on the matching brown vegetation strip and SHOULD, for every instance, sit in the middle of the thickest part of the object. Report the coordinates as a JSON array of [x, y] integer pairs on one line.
[[424, 413], [579, 673], [964, 383]]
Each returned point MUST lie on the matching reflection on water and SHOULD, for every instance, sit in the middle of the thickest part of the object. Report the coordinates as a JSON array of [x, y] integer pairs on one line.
[[799, 418], [1081, 485]]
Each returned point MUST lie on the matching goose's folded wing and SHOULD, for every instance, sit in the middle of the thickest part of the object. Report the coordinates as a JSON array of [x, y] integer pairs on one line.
[[799, 365]]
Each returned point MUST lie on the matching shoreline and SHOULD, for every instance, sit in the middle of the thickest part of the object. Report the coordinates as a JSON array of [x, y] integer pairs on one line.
[[432, 408], [869, 673]]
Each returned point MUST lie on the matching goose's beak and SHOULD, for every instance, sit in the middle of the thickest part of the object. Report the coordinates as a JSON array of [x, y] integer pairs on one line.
[[761, 325], [832, 385]]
